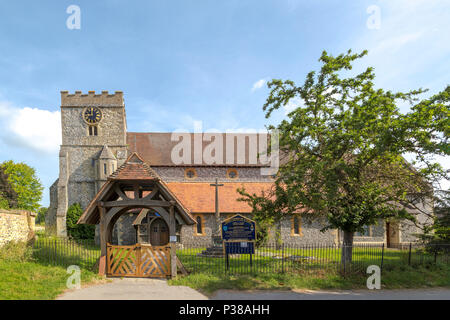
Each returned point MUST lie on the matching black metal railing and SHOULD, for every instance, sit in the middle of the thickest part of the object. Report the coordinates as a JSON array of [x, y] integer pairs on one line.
[[66, 252], [310, 258], [270, 258]]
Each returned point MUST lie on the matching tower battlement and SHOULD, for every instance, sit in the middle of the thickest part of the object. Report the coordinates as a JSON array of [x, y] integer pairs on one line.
[[80, 99]]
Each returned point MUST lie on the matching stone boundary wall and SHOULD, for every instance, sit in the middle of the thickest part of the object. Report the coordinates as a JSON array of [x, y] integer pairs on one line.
[[16, 225]]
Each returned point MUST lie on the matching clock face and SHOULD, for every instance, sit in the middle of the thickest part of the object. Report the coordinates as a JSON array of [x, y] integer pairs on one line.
[[92, 115]]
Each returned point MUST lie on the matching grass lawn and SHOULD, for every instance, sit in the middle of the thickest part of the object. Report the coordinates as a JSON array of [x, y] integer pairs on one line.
[[318, 272], [26, 280], [408, 277], [27, 276], [294, 260]]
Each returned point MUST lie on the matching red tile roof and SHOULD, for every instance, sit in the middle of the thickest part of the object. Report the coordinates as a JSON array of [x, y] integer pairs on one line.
[[199, 197], [156, 148]]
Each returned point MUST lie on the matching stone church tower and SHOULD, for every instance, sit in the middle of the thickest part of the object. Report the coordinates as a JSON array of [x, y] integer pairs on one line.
[[93, 146]]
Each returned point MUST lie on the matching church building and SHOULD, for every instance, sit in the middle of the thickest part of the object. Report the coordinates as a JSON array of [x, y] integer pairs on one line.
[[96, 145]]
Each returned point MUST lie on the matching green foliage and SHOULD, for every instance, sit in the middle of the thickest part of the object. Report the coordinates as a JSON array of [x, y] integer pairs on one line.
[[439, 232], [40, 218], [4, 203], [25, 183], [78, 231], [15, 251], [8, 197], [342, 148]]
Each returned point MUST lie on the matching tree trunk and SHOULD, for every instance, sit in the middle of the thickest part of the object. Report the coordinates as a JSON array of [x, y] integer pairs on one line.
[[347, 247]]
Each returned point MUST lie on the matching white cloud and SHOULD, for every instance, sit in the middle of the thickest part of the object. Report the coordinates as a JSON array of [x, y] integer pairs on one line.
[[259, 84], [395, 43], [413, 36], [30, 128], [293, 104]]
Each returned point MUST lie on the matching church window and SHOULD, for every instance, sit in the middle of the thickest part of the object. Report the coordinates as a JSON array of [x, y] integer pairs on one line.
[[200, 225], [104, 168], [190, 173], [93, 131], [296, 227], [232, 174]]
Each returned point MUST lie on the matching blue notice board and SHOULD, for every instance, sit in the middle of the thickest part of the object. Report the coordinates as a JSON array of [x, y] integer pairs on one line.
[[245, 247], [238, 228]]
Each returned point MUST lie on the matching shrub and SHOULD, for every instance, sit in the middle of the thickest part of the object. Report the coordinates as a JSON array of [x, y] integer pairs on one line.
[[78, 231], [15, 251]]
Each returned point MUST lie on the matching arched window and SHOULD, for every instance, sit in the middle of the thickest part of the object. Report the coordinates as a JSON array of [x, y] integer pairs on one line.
[[199, 227], [93, 131]]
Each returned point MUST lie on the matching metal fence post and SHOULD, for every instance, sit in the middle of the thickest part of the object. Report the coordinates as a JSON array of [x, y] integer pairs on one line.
[[344, 250], [409, 255], [382, 258]]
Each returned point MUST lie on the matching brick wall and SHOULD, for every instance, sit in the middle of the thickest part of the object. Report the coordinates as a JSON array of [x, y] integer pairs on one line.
[[16, 225]]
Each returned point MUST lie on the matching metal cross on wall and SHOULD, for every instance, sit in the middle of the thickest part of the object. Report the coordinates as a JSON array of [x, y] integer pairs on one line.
[[217, 213]]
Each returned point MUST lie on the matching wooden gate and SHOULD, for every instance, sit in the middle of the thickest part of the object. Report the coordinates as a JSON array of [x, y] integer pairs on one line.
[[138, 260]]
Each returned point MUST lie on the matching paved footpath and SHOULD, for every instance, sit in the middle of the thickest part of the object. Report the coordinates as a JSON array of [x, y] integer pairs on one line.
[[404, 294], [156, 289], [133, 289]]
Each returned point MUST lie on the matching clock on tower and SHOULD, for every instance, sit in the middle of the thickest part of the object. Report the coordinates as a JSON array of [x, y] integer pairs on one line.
[[92, 115]]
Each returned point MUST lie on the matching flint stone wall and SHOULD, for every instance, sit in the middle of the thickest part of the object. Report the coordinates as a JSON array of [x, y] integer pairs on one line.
[[16, 225]]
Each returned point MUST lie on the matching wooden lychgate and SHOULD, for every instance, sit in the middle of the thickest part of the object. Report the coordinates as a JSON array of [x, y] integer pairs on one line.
[[138, 260]]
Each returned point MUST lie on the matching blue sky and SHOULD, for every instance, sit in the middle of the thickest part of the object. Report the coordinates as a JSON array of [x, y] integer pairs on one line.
[[196, 60]]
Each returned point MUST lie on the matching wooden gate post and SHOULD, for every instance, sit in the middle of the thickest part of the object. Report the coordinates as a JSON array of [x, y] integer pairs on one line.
[[102, 259], [173, 241]]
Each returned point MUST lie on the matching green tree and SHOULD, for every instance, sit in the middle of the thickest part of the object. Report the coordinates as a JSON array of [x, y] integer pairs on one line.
[[25, 183], [40, 218], [78, 231], [342, 149], [439, 232], [8, 197]]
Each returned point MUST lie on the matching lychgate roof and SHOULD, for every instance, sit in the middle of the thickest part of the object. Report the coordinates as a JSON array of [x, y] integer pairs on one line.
[[134, 168], [148, 189]]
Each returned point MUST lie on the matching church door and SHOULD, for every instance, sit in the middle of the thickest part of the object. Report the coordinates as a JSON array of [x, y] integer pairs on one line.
[[159, 233]]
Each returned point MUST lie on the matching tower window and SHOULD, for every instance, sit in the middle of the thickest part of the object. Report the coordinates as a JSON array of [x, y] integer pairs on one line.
[[104, 168], [93, 131]]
